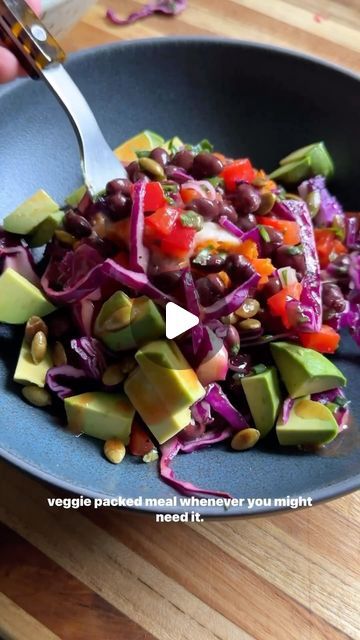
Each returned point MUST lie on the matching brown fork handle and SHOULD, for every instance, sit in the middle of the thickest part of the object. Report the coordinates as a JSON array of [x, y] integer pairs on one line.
[[24, 34]]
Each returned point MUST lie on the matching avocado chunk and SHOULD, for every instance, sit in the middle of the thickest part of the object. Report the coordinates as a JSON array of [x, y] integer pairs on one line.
[[20, 299], [262, 392], [309, 423], [320, 159], [45, 231], [292, 172], [30, 213], [76, 196], [124, 323], [101, 415], [27, 372], [162, 423], [170, 374], [173, 145], [305, 371]]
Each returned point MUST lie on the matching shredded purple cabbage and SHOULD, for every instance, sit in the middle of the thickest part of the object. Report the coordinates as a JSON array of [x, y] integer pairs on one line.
[[167, 7], [213, 436], [286, 409], [353, 232], [232, 300], [201, 412], [139, 254], [67, 381], [311, 282], [330, 207], [168, 452], [90, 355], [230, 226], [138, 282], [14, 254], [193, 305], [220, 403]]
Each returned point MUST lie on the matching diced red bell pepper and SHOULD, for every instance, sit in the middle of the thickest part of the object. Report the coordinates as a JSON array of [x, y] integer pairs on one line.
[[326, 340], [179, 242], [160, 224], [139, 443], [277, 303], [289, 229], [236, 172], [328, 246], [154, 197]]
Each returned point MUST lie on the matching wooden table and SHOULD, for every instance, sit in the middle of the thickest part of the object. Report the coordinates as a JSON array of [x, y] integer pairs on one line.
[[107, 575]]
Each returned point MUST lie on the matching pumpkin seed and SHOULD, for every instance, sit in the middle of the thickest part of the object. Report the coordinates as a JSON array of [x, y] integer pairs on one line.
[[59, 354], [39, 347], [114, 450], [249, 308], [151, 166], [33, 325], [245, 439], [36, 396]]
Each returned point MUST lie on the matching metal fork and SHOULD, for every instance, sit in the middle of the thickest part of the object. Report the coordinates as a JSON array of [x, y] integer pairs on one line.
[[42, 57]]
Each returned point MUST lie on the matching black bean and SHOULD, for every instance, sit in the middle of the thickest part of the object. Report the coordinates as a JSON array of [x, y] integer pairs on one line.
[[174, 173], [274, 240], [238, 268], [210, 288], [206, 165], [208, 209], [333, 298], [227, 210], [134, 172], [77, 225], [285, 256], [232, 340], [160, 156], [246, 199], [246, 223], [184, 159], [119, 205], [214, 264], [121, 185], [269, 289], [167, 280]]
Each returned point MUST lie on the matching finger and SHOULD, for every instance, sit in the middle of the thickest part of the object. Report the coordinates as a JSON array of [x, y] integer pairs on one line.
[[9, 66]]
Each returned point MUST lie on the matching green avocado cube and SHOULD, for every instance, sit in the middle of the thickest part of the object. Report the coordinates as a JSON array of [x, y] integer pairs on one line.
[[101, 415], [125, 323], [75, 196], [309, 423], [27, 372], [263, 396], [293, 172], [319, 157], [45, 231], [305, 371], [30, 213], [20, 299], [170, 374], [163, 423]]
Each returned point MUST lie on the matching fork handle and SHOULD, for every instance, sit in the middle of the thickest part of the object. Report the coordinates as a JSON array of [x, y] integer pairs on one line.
[[25, 35]]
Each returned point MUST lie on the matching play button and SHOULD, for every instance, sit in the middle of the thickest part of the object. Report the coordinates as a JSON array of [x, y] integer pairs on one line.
[[178, 320]]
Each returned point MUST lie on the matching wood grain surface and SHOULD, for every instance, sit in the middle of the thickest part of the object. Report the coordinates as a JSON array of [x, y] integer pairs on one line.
[[110, 575]]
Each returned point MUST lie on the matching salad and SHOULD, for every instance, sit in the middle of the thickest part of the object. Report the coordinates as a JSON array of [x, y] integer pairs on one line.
[[269, 263]]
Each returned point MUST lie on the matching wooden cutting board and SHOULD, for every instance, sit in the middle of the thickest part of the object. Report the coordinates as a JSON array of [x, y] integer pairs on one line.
[[109, 575]]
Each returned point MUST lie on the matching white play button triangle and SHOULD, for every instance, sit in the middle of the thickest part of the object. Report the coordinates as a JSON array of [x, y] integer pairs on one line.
[[178, 320]]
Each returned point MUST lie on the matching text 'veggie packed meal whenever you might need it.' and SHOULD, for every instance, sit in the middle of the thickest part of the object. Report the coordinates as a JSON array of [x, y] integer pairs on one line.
[[270, 265]]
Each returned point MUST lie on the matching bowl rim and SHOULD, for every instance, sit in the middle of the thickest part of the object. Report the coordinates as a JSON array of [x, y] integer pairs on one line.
[[326, 493]]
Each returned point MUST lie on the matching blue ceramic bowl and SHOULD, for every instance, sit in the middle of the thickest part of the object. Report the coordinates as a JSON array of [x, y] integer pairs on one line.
[[249, 100]]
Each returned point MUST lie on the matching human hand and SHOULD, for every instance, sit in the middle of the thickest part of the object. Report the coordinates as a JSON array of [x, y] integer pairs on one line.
[[9, 66]]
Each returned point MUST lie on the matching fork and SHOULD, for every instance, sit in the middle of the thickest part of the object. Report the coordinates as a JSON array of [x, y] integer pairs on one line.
[[25, 35]]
